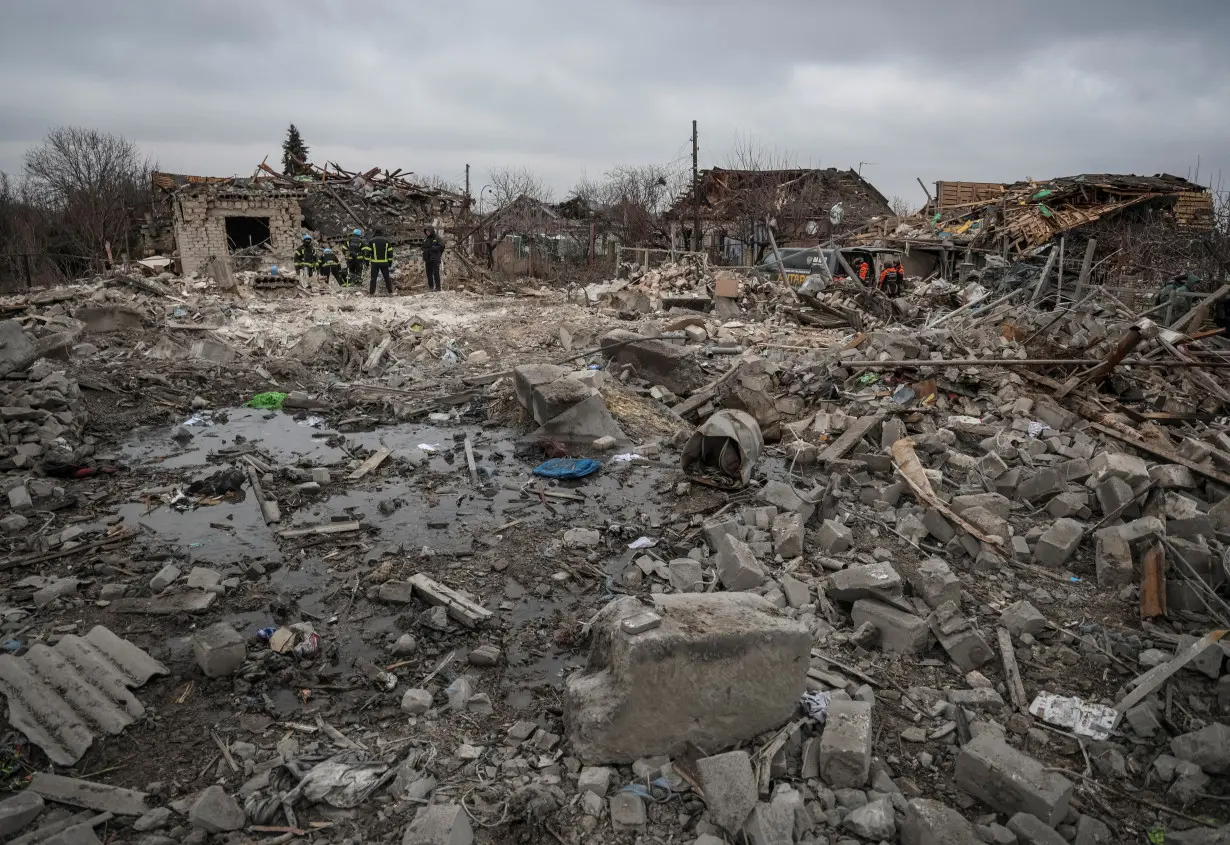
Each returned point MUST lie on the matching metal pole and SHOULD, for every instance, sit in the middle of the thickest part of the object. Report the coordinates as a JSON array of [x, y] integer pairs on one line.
[[696, 238]]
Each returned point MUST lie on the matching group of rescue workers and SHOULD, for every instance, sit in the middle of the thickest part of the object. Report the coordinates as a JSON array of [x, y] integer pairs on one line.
[[375, 253], [892, 277]]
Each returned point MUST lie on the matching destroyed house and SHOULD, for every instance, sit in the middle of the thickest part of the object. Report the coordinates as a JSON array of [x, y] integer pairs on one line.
[[525, 235], [260, 221], [736, 207]]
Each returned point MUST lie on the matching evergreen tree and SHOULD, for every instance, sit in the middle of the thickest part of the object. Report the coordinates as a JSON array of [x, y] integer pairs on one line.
[[293, 152]]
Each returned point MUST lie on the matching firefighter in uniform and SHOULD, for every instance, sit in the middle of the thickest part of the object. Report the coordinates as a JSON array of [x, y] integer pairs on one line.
[[356, 257], [330, 265], [380, 254], [891, 279], [305, 257], [433, 250]]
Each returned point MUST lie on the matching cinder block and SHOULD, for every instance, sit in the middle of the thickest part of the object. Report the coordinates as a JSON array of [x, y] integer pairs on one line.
[[845, 745], [900, 632], [1011, 782]]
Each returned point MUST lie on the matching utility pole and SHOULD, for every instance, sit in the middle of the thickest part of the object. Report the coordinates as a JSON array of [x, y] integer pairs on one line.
[[696, 237], [467, 182]]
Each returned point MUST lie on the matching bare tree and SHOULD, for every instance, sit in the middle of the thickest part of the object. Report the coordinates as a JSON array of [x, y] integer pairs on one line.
[[511, 183], [522, 206], [629, 202], [900, 206], [96, 182]]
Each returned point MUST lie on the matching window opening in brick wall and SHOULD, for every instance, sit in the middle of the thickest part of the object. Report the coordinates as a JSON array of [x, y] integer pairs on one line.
[[245, 232]]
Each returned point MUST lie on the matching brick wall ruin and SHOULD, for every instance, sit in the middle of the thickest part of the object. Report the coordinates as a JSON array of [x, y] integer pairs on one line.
[[200, 226]]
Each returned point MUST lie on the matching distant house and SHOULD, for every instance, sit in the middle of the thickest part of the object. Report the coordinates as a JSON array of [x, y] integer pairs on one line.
[[737, 208]]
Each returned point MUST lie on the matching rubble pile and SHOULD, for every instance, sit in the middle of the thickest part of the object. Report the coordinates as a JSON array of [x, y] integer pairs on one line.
[[699, 560]]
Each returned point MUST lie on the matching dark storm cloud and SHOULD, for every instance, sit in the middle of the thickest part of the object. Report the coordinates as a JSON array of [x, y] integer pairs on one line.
[[981, 90]]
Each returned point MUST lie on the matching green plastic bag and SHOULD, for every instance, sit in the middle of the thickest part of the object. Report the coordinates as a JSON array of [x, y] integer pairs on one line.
[[271, 401]]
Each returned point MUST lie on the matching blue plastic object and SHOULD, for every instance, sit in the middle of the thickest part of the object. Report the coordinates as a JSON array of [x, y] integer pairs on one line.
[[567, 467]]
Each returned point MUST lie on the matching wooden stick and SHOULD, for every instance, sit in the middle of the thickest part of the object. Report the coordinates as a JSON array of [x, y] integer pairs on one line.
[[1012, 672], [370, 465], [469, 447]]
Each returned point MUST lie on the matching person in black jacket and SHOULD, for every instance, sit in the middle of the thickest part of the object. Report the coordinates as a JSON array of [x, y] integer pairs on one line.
[[305, 257], [381, 257], [330, 265], [356, 256], [433, 250]]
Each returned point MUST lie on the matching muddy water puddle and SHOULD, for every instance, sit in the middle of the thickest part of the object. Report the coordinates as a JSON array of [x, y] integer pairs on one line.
[[422, 500]]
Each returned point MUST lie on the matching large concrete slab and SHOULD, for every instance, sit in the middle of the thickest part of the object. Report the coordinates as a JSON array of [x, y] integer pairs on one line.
[[656, 361], [720, 669], [1011, 781]]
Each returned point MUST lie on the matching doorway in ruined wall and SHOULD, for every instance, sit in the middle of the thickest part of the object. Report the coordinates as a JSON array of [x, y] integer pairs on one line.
[[246, 232]]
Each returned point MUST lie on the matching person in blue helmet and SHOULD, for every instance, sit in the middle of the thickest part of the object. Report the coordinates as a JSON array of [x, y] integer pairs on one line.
[[305, 257], [356, 256], [330, 265]]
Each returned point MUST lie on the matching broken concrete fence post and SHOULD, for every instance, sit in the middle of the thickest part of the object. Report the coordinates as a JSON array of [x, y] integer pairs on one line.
[[649, 693], [439, 824], [1010, 781], [219, 650], [845, 745]]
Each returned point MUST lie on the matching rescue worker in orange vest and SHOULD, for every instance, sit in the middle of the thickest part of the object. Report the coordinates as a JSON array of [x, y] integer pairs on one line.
[[892, 277], [863, 268]]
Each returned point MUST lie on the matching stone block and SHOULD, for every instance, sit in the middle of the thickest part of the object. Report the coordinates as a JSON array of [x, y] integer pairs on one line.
[[1059, 542], [987, 522], [1041, 485], [439, 824], [548, 401], [900, 632], [20, 500], [929, 822], [627, 810], [729, 785], [1067, 504], [933, 581], [959, 638], [786, 498], [874, 821], [1113, 560], [1138, 529], [1208, 748], [1011, 782], [788, 535], [686, 575], [993, 502], [657, 362], [715, 529], [219, 650], [845, 745], [216, 812], [1130, 468], [867, 581], [937, 526], [416, 702], [770, 824], [720, 669], [738, 568], [992, 465], [835, 537], [1114, 493], [595, 779], [1172, 477], [1030, 830], [1022, 618], [528, 376]]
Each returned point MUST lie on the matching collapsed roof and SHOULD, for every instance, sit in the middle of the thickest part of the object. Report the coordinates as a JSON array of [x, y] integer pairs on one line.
[[793, 193]]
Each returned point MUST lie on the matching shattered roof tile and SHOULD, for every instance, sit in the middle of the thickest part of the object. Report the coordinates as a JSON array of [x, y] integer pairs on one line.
[[61, 697]]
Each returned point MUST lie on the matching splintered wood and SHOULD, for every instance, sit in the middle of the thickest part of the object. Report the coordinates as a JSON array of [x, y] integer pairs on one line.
[[916, 477]]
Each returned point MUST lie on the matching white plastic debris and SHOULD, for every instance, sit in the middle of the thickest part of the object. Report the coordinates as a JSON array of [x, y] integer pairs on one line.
[[627, 457], [1081, 717], [643, 543]]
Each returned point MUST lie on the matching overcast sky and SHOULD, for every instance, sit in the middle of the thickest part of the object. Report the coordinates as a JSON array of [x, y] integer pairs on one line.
[[993, 90]]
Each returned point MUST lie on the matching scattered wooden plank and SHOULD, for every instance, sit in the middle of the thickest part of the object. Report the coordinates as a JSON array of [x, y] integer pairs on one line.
[[1153, 581], [1151, 681], [469, 447], [196, 601], [849, 438], [916, 478], [1196, 316], [373, 360], [90, 795], [1012, 672], [371, 464], [459, 607], [30, 560], [270, 511], [325, 528]]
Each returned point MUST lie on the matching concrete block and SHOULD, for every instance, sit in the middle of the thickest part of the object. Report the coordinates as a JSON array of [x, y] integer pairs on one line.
[[738, 568], [1022, 618], [930, 822], [686, 575], [19, 499], [730, 788], [845, 745], [1112, 559], [1208, 748], [1030, 830], [715, 529], [416, 702], [216, 812], [1220, 514], [1130, 468], [992, 465], [1172, 477], [1011, 782], [835, 537], [987, 522], [977, 699], [548, 401], [934, 582], [1138, 529], [786, 498], [868, 581], [1043, 484], [657, 362], [1059, 542], [797, 593], [900, 632], [595, 779], [1077, 469], [528, 376], [439, 824], [938, 526], [788, 535], [627, 811], [874, 821], [219, 650], [993, 502], [1067, 504], [720, 669], [959, 638], [1115, 493]]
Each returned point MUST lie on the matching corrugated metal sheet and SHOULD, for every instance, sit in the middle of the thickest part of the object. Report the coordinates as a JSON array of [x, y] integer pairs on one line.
[[61, 697], [949, 194]]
